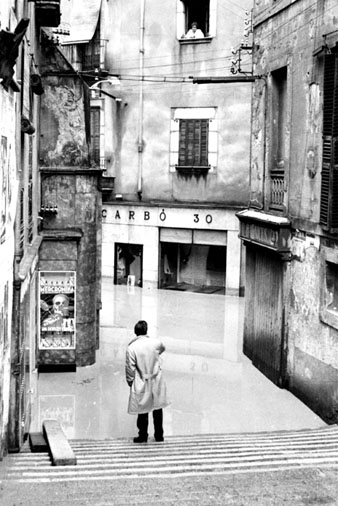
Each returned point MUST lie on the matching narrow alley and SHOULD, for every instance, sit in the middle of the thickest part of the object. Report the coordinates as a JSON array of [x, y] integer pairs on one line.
[[212, 386]]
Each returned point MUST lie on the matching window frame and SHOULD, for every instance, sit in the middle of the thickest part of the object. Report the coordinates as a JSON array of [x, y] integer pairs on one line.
[[329, 176], [182, 23], [95, 136], [193, 113], [193, 143], [279, 150], [330, 262]]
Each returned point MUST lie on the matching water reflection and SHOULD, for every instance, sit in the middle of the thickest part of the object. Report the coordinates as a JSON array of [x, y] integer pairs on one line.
[[213, 388]]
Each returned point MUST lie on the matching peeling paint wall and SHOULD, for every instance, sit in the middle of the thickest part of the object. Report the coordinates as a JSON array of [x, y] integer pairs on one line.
[[8, 201], [69, 186], [8, 189], [71, 243], [290, 33], [63, 139]]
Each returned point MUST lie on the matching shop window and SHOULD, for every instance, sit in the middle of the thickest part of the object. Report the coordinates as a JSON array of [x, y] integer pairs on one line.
[[329, 182], [201, 12], [278, 139], [193, 267], [95, 132], [193, 140]]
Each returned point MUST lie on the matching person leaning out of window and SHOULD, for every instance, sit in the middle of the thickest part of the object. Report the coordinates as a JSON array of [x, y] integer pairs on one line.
[[194, 32]]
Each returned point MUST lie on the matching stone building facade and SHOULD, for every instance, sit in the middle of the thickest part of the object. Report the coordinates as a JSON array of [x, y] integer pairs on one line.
[[290, 227], [50, 206], [175, 153]]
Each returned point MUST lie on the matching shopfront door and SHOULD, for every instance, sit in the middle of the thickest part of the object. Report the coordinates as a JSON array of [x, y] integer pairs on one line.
[[264, 330], [128, 264]]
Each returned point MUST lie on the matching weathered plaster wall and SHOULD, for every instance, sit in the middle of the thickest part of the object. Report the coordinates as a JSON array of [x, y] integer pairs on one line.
[[63, 133], [289, 36], [313, 345], [8, 200], [165, 56], [71, 244]]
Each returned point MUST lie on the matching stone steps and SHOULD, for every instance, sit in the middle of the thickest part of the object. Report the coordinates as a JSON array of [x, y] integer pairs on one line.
[[179, 456]]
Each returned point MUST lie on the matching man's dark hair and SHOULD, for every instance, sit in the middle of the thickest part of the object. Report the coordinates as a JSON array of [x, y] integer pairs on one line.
[[141, 328]]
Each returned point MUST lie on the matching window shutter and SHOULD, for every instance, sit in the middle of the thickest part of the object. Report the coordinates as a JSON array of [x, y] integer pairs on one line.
[[193, 143], [95, 135], [329, 183]]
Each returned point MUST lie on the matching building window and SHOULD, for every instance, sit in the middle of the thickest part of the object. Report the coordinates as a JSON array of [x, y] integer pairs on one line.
[[22, 220], [95, 136], [91, 54], [30, 212], [278, 139], [202, 12], [332, 287], [329, 183], [329, 291], [193, 143]]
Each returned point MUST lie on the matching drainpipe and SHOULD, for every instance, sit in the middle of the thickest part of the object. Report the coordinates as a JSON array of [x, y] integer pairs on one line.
[[140, 119]]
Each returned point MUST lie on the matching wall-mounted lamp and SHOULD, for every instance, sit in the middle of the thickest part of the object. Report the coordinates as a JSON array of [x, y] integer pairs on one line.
[[26, 126], [113, 81], [36, 84]]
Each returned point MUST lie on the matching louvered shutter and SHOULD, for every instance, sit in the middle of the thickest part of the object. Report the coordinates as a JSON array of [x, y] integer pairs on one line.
[[95, 135], [329, 183], [193, 143]]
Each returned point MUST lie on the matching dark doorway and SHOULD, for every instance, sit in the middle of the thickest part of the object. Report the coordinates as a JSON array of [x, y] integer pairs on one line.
[[128, 264]]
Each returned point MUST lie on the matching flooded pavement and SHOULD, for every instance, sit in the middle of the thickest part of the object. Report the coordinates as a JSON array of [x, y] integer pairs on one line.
[[212, 386]]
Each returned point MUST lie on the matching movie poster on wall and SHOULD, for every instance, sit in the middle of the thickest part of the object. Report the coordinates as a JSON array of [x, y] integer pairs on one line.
[[57, 310]]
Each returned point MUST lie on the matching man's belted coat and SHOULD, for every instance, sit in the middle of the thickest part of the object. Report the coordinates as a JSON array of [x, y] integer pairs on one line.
[[144, 375]]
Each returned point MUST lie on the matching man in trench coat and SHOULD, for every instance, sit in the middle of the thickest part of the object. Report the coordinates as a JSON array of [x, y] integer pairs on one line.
[[147, 386]]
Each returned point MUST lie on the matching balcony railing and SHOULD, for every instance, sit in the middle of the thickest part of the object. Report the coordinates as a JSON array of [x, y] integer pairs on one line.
[[277, 191]]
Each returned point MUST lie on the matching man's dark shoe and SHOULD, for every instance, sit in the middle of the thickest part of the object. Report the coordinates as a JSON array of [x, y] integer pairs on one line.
[[159, 439], [140, 439]]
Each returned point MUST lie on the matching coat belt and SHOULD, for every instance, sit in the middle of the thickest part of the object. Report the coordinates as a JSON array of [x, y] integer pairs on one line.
[[150, 376]]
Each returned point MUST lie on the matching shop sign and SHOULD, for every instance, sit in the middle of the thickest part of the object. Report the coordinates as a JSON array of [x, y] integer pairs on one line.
[[57, 310], [167, 217], [274, 238]]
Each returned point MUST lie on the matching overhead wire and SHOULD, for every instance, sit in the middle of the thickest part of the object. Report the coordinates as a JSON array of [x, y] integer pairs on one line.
[[174, 79]]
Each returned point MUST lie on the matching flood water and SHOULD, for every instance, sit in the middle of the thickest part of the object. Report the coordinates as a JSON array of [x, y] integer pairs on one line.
[[212, 386]]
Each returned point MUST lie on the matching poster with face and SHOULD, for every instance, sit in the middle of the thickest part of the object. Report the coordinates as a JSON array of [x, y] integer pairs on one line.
[[57, 309]]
